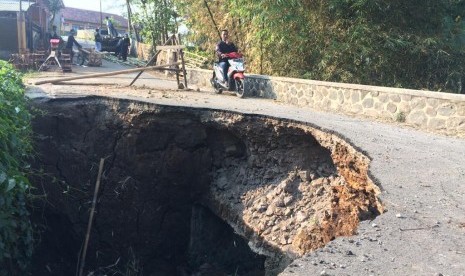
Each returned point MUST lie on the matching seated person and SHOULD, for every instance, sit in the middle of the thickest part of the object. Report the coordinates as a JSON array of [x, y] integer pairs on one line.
[[224, 47]]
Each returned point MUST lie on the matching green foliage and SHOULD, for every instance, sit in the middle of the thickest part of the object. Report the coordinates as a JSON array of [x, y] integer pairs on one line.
[[400, 117], [158, 19], [54, 6], [15, 228], [416, 44]]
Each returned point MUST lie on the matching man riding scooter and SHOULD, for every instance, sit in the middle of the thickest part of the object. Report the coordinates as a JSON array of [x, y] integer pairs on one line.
[[228, 72], [223, 48]]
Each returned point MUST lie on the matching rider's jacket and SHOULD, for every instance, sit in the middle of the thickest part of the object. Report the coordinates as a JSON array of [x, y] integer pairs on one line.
[[224, 48]]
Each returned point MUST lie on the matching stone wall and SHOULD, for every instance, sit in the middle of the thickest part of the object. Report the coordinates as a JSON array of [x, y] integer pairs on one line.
[[433, 111]]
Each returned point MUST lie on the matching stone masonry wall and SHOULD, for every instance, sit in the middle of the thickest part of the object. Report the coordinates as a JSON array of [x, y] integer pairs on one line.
[[432, 111]]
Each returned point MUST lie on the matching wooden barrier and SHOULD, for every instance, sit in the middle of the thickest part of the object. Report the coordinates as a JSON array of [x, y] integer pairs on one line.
[[106, 74]]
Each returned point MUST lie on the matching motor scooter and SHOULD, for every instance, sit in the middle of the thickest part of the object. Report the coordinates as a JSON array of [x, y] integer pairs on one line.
[[235, 81]]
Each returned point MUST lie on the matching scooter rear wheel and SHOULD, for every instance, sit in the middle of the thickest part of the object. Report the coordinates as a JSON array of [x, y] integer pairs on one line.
[[239, 88]]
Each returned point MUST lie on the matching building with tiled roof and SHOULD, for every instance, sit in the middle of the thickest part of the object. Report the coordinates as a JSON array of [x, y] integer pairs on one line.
[[79, 19], [23, 25]]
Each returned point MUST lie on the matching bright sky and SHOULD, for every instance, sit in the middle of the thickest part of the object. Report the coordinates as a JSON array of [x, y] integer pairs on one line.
[[110, 6]]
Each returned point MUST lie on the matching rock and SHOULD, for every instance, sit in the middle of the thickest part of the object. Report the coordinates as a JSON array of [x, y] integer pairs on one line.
[[222, 182], [288, 199], [287, 212], [349, 253], [270, 211], [300, 216], [270, 196], [262, 208], [279, 202], [320, 191], [305, 176]]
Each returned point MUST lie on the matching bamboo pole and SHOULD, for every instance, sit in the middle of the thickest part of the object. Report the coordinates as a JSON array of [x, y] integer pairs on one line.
[[146, 65], [89, 76], [212, 18], [91, 218], [152, 60]]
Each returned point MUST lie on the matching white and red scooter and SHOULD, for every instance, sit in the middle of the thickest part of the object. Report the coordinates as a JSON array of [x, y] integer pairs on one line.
[[235, 81]]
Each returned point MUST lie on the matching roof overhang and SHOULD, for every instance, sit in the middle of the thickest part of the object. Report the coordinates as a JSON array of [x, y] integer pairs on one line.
[[14, 5]]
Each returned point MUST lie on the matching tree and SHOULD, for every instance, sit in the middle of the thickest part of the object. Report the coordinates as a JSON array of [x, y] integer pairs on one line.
[[415, 44], [158, 18], [54, 6]]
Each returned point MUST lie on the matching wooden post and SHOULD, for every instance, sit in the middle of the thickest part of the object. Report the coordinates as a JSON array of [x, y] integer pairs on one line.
[[179, 53], [147, 64], [183, 68], [91, 218]]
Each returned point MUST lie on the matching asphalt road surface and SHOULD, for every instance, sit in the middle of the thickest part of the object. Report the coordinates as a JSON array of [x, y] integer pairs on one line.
[[421, 175]]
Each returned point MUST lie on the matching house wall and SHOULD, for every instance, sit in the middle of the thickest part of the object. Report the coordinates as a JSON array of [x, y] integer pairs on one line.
[[39, 17], [87, 26], [9, 41], [31, 28]]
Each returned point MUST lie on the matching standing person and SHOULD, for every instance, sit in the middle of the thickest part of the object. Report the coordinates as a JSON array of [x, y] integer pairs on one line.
[[111, 29], [118, 48], [98, 40], [224, 47], [69, 44], [55, 35], [125, 43]]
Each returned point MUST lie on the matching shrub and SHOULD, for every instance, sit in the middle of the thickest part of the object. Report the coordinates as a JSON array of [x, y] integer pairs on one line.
[[16, 241]]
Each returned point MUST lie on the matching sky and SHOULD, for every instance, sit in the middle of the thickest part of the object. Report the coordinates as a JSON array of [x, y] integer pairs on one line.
[[110, 6]]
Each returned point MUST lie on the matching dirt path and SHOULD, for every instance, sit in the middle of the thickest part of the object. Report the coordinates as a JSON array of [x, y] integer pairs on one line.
[[422, 177]]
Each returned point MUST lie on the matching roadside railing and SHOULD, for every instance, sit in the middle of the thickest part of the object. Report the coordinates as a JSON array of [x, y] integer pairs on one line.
[[194, 60]]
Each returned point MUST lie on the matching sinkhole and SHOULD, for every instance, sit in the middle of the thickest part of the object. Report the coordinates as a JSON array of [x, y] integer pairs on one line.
[[188, 191]]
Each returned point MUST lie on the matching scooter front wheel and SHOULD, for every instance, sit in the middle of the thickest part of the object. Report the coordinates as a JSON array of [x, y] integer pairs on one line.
[[239, 87], [216, 86]]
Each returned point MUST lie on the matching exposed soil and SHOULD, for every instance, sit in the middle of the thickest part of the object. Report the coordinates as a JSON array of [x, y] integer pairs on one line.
[[420, 176], [286, 187]]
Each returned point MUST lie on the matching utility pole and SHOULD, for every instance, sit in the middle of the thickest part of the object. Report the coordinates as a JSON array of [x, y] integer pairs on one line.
[[20, 26], [129, 18], [21, 29], [101, 19]]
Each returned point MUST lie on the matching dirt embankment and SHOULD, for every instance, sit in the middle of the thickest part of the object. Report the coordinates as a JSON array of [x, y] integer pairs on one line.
[[286, 187], [420, 176]]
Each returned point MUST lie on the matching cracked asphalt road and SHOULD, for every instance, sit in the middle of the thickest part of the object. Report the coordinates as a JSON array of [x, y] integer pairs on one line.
[[421, 175]]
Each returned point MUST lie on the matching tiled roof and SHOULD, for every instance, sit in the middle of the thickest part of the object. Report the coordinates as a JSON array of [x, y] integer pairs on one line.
[[13, 5], [86, 16]]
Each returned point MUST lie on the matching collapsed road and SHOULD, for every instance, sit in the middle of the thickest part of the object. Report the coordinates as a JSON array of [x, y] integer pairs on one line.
[[414, 180]]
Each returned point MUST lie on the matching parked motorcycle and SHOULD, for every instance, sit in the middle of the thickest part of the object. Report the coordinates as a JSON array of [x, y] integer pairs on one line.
[[235, 81]]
